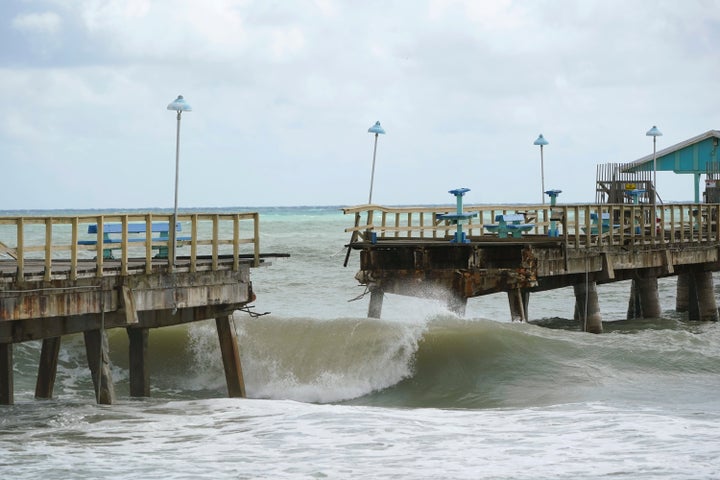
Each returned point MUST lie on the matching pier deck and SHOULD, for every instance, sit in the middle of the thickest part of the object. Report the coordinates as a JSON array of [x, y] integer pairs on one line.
[[56, 280]]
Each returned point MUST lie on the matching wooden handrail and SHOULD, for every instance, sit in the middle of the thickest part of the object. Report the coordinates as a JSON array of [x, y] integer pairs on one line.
[[579, 225], [52, 238]]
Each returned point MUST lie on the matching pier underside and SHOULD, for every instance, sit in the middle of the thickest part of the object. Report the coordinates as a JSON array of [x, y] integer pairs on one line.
[[455, 272], [49, 310]]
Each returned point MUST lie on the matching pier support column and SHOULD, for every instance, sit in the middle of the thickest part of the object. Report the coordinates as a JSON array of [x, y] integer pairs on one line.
[[587, 308], [644, 300], [47, 370], [376, 301], [139, 378], [682, 297], [6, 374], [230, 357], [96, 346], [518, 301], [706, 303]]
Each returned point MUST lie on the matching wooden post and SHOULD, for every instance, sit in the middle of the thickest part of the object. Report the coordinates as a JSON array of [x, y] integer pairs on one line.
[[518, 301], [682, 298], [6, 374], [96, 346], [230, 357], [587, 307], [139, 378], [707, 306], [376, 301], [47, 369]]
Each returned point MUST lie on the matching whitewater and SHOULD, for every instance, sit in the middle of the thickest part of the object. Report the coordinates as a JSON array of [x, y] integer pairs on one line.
[[417, 394]]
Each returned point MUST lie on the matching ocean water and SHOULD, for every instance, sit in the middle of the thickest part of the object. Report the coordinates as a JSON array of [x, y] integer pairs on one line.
[[418, 394]]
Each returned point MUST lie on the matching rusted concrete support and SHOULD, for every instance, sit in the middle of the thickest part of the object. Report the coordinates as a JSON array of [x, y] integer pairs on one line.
[[587, 307], [96, 346], [6, 374], [518, 301], [682, 296], [376, 301], [644, 300], [707, 306], [230, 357], [139, 378], [47, 369]]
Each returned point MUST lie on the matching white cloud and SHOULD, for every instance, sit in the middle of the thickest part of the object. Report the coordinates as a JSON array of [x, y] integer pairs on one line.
[[283, 94], [46, 22]]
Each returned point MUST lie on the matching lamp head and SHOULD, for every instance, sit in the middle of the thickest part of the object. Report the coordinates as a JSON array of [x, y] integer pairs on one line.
[[179, 105], [541, 141], [654, 132], [376, 129]]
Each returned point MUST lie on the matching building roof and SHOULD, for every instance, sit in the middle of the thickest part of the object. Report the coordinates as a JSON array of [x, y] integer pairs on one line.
[[689, 156]]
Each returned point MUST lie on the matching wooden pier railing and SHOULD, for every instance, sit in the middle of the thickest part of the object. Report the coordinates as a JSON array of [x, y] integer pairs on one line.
[[579, 226], [50, 245]]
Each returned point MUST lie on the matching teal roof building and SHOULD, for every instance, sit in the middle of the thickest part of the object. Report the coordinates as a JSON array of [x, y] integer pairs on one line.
[[697, 156]]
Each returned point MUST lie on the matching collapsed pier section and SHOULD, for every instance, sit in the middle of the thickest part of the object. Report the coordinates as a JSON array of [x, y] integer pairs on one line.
[[412, 251]]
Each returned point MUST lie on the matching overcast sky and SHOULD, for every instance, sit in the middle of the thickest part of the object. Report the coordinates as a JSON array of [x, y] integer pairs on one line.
[[283, 93]]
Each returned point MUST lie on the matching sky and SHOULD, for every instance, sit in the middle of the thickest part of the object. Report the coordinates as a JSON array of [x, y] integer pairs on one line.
[[283, 93]]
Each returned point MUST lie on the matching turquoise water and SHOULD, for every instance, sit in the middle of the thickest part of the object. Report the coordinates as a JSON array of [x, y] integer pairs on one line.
[[419, 393]]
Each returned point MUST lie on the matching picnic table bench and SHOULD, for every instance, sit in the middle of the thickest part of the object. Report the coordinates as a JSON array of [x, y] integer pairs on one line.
[[137, 232], [601, 224], [457, 219], [512, 224]]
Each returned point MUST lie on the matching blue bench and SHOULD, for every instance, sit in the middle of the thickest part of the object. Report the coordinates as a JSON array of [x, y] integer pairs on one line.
[[457, 219], [512, 224], [112, 234], [601, 225]]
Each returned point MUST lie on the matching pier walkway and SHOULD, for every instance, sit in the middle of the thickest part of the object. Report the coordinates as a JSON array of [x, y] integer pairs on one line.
[[63, 275], [415, 251]]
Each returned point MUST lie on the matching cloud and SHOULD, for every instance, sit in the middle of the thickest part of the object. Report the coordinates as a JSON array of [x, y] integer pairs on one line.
[[283, 94], [44, 23]]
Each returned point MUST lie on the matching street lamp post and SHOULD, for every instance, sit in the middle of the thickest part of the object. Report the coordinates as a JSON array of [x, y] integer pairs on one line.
[[179, 105], [654, 132], [542, 142], [377, 130]]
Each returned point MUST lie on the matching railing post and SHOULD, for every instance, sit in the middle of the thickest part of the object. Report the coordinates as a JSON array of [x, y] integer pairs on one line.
[[215, 238], [20, 233], [256, 236], [48, 249], [75, 225], [193, 242], [236, 242], [148, 243]]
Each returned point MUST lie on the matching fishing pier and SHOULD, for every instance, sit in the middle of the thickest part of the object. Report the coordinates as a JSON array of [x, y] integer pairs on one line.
[[66, 275], [455, 253]]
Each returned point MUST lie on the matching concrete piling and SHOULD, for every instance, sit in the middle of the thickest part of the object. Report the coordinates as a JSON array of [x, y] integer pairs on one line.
[[682, 292], [96, 346], [587, 308], [518, 301], [644, 299], [706, 304], [376, 301], [47, 369]]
